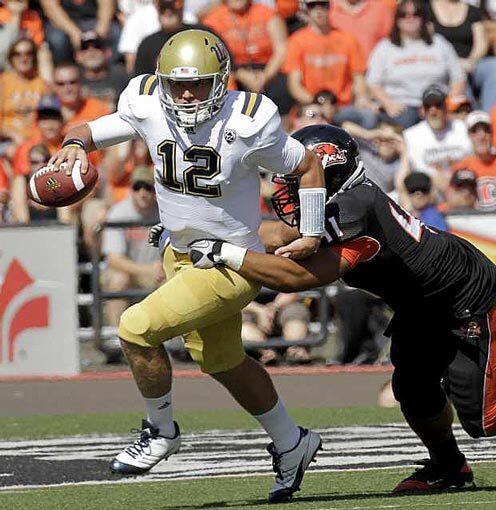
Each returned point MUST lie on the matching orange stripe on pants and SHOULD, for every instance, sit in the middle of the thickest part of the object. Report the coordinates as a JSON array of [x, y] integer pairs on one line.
[[489, 405]]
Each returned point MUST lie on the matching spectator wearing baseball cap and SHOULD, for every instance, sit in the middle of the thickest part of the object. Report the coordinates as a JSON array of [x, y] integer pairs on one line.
[[436, 143], [483, 161], [461, 194], [99, 79], [320, 57], [68, 20], [402, 66], [419, 188]]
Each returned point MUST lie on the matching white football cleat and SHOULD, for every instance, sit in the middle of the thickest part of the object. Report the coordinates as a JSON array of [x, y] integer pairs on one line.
[[290, 466], [147, 451]]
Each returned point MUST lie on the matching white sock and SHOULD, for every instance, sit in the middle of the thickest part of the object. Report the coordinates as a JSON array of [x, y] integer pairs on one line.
[[159, 414], [280, 427]]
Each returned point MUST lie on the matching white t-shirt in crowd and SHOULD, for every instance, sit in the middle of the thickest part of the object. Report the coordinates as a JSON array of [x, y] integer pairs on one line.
[[430, 150], [142, 23], [127, 7], [404, 72]]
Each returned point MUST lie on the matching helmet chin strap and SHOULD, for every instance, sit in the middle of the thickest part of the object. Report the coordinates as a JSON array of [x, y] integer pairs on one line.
[[355, 178]]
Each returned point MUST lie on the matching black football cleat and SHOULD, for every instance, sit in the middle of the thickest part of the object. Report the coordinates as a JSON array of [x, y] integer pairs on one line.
[[434, 477]]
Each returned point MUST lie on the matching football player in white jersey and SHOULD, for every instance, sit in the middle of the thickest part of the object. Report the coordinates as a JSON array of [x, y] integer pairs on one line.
[[207, 145]]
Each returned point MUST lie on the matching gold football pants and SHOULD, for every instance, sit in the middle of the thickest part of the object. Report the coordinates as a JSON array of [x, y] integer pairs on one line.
[[202, 305]]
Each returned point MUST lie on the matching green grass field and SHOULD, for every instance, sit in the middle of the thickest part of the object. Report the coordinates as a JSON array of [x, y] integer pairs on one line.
[[352, 490]]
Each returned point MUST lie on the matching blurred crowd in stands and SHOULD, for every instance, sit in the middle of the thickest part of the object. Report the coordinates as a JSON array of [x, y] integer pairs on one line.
[[414, 82]]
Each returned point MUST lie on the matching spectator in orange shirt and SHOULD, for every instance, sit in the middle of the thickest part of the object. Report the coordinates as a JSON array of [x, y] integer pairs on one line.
[[373, 17], [322, 58], [256, 37], [76, 109], [50, 132], [21, 89], [29, 21], [483, 161]]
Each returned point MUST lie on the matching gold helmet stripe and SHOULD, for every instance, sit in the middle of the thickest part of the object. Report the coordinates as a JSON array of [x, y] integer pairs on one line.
[[251, 104], [148, 85]]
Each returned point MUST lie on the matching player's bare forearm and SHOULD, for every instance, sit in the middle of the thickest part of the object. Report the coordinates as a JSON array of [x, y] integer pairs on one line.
[[82, 132], [286, 275], [275, 234], [310, 171]]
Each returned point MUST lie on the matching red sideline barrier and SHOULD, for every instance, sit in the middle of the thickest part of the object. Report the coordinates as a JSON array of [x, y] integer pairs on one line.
[[195, 373]]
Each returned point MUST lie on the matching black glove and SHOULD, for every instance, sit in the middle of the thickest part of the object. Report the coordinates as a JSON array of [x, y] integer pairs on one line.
[[154, 234]]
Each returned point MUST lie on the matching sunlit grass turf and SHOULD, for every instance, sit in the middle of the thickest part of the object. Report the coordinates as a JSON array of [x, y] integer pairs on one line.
[[56, 425], [352, 490], [355, 490]]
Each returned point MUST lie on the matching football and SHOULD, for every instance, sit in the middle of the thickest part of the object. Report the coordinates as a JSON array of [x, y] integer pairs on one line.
[[56, 189]]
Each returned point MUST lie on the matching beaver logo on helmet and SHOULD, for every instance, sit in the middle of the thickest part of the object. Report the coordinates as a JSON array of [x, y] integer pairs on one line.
[[330, 154]]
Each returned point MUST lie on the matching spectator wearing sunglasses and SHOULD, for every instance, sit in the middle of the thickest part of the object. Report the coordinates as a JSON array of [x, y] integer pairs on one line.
[[403, 65], [483, 162], [99, 79], [76, 109], [131, 261], [21, 88]]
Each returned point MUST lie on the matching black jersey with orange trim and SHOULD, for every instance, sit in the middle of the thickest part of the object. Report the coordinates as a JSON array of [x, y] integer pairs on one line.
[[396, 257]]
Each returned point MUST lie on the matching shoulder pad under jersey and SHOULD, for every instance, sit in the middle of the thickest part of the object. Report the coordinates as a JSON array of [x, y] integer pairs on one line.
[[253, 111], [140, 96]]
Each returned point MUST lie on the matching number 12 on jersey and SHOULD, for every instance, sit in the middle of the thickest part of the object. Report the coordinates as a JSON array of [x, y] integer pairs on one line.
[[206, 165]]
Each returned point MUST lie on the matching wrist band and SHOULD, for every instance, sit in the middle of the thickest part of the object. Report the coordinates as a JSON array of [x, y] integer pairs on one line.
[[232, 256], [312, 211], [74, 142]]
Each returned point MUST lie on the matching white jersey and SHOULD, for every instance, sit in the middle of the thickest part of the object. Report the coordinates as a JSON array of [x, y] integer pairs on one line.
[[207, 181]]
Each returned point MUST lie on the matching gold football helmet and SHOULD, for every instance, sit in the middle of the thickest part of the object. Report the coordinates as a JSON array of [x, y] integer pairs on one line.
[[193, 55]]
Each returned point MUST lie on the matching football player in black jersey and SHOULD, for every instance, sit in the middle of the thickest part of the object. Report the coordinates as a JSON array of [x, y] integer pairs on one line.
[[441, 288]]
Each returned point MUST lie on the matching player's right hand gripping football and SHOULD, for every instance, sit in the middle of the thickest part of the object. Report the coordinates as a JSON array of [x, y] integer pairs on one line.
[[65, 158]]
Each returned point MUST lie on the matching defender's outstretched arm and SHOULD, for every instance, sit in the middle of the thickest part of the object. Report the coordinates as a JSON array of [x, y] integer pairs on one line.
[[287, 275]]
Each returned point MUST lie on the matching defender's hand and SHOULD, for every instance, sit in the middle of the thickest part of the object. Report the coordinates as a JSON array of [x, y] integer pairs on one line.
[[64, 159], [154, 234], [300, 248], [205, 253]]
